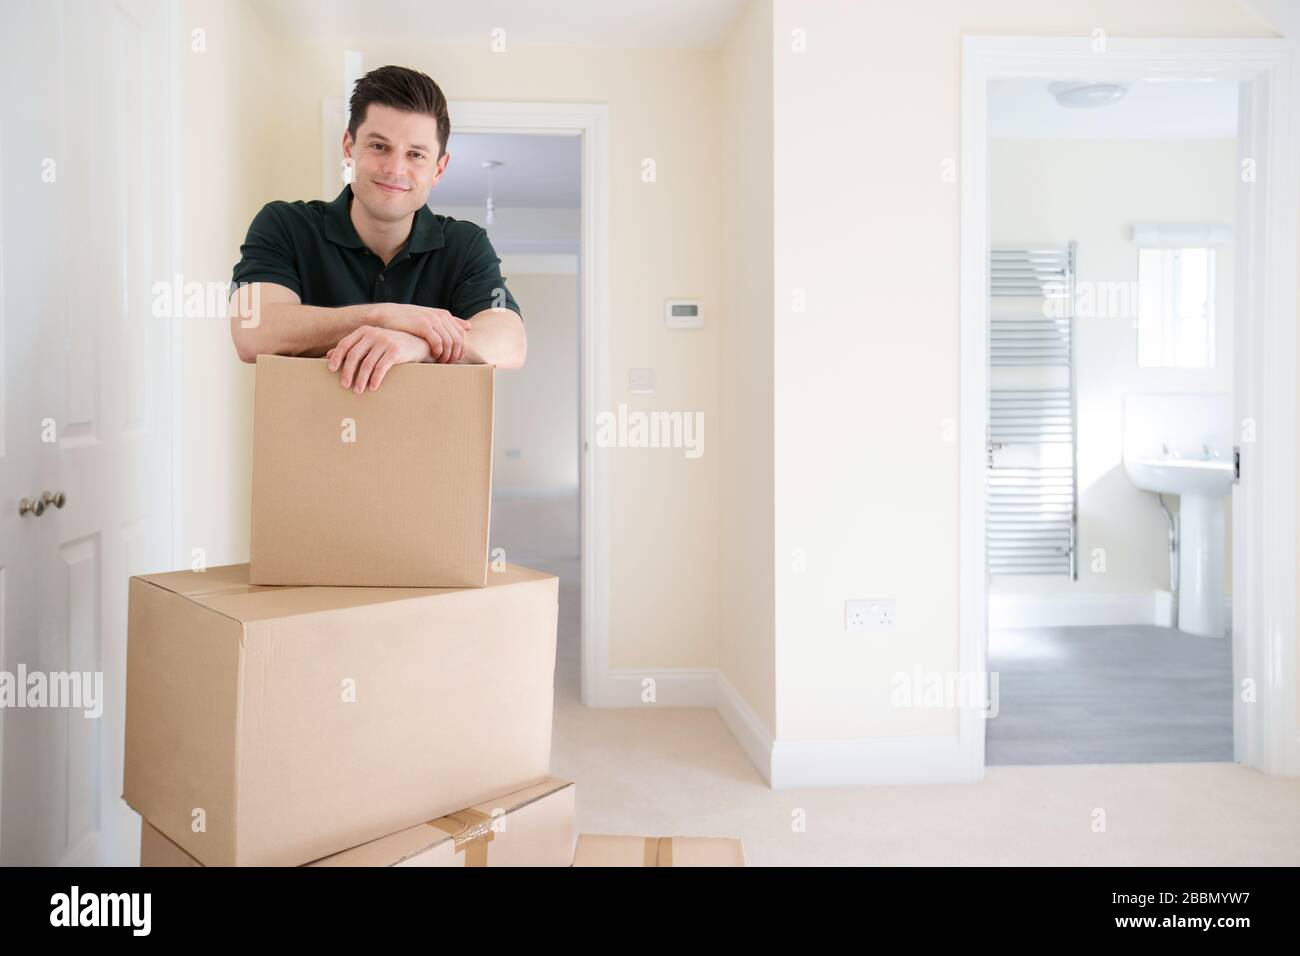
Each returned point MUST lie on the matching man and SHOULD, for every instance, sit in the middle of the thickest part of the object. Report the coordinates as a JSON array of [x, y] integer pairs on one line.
[[375, 278]]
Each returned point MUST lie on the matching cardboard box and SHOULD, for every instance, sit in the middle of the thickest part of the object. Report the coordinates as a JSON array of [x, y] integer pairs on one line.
[[299, 722], [531, 827], [606, 850], [391, 488]]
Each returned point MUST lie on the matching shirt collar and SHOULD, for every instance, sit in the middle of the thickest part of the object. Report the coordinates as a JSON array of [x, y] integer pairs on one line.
[[426, 234]]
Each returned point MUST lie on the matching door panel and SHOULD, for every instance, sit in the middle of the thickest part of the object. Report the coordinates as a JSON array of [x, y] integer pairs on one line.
[[94, 361], [30, 225]]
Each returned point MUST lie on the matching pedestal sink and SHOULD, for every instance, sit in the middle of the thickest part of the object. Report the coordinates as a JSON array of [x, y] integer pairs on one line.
[[1201, 485]]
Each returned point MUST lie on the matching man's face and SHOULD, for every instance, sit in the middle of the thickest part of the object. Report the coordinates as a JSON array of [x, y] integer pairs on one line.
[[396, 161]]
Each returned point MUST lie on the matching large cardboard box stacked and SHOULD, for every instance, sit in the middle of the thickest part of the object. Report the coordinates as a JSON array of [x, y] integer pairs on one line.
[[392, 488], [368, 673], [366, 691], [531, 827]]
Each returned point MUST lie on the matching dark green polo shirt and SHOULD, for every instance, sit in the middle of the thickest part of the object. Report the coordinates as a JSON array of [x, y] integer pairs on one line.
[[313, 249]]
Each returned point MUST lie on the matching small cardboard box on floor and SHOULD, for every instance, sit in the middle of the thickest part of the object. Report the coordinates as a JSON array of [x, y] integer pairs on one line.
[[297, 722], [390, 488], [597, 849], [531, 827]]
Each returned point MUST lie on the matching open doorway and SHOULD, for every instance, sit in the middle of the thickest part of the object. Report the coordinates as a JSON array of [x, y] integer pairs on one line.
[[524, 247], [1058, 271], [526, 191], [1111, 437]]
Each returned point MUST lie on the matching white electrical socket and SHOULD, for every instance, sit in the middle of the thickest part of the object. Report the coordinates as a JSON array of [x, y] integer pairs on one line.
[[869, 615]]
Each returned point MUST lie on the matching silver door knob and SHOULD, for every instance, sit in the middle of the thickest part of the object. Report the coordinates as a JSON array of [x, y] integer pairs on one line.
[[58, 499], [36, 508]]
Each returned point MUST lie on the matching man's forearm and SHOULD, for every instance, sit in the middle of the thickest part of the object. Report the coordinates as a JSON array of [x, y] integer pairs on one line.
[[285, 328], [496, 337]]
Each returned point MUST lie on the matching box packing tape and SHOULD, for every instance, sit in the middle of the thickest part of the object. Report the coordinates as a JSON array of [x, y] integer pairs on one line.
[[471, 832], [658, 851]]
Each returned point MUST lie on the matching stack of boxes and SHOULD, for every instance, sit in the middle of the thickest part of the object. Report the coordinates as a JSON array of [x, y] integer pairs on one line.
[[367, 691]]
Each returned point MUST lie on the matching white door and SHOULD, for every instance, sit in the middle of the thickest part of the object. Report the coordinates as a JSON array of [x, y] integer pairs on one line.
[[86, 397]]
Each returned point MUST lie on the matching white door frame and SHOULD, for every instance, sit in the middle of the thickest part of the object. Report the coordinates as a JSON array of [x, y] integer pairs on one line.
[[591, 120], [1264, 522]]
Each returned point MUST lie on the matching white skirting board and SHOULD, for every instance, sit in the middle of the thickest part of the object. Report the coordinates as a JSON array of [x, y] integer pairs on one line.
[[787, 765], [1082, 610]]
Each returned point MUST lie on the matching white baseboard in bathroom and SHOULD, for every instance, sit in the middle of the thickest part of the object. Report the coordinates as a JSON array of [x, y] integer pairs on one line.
[[1075, 610], [1165, 609], [1085, 610]]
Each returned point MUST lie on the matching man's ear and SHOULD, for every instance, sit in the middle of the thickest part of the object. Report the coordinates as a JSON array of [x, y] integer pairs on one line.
[[347, 144], [440, 168]]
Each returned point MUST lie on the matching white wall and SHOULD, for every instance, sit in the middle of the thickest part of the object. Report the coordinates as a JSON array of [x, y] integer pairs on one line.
[[867, 378], [228, 169], [1052, 191], [747, 505], [535, 442]]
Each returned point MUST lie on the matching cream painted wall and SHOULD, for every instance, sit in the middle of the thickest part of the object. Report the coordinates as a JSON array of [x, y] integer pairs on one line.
[[1092, 192], [537, 405], [866, 379], [227, 171], [748, 655], [665, 242]]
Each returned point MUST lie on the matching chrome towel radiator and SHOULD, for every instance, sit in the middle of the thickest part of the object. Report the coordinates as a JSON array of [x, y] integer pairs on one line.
[[1032, 483]]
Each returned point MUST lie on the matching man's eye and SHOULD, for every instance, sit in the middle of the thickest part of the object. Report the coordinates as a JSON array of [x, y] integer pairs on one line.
[[376, 145], [419, 156]]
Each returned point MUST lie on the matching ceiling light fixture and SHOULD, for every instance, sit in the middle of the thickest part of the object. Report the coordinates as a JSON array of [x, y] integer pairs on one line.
[[489, 165], [1087, 95]]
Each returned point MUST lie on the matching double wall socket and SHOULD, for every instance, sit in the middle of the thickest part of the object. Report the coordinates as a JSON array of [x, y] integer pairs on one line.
[[869, 615]]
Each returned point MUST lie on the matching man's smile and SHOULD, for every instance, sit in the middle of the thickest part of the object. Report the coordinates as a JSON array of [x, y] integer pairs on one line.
[[386, 187]]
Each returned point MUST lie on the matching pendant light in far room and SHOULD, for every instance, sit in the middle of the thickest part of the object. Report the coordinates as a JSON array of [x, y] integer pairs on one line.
[[489, 165]]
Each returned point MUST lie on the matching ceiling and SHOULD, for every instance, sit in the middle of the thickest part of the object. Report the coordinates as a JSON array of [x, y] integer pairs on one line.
[[676, 24], [540, 171], [1152, 109]]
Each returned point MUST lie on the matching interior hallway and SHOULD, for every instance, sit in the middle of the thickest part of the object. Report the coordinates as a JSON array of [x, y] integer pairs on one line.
[[680, 772]]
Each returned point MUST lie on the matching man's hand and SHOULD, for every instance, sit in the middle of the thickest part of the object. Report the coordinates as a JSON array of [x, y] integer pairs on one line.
[[366, 354], [444, 333]]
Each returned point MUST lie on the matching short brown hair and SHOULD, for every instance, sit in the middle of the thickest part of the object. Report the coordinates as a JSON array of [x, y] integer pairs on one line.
[[402, 89]]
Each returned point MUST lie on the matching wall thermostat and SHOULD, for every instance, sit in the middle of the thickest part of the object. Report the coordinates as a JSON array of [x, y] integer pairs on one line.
[[683, 314]]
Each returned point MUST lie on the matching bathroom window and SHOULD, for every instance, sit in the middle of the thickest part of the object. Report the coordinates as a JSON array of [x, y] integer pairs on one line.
[[1176, 307]]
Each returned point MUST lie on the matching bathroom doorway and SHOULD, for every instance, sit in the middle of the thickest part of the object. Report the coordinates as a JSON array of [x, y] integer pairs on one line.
[[1118, 280], [1110, 381]]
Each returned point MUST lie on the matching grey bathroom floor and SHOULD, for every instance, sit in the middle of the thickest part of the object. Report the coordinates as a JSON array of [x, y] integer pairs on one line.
[[1070, 695]]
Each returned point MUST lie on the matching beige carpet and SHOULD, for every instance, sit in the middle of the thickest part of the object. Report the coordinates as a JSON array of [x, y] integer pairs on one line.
[[679, 771], [673, 772]]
